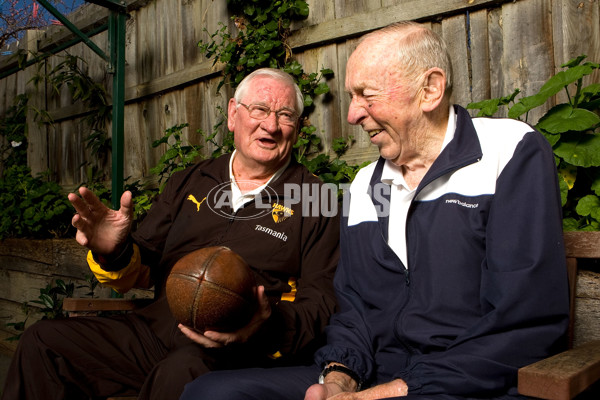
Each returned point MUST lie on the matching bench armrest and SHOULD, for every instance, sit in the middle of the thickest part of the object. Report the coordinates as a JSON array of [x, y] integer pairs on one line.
[[93, 305], [563, 376]]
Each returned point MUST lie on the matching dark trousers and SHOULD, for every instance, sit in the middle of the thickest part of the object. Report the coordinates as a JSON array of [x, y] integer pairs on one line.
[[277, 384], [94, 357], [288, 383]]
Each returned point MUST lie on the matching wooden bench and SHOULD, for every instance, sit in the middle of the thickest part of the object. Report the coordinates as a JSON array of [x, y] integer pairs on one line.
[[561, 377], [566, 375]]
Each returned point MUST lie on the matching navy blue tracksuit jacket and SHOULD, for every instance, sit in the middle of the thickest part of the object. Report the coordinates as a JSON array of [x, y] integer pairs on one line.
[[485, 290]]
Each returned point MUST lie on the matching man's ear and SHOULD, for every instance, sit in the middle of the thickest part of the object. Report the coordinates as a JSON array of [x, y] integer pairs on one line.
[[231, 111], [434, 87]]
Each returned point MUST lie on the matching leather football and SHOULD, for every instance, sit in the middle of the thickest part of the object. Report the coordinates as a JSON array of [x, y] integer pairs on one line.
[[211, 289]]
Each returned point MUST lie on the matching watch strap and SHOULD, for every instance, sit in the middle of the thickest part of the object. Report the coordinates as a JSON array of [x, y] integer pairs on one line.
[[344, 370]]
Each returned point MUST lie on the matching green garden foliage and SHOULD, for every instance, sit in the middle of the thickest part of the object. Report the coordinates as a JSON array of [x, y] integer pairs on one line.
[[32, 207], [573, 130]]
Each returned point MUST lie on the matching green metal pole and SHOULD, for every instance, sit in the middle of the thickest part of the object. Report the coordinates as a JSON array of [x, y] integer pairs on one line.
[[73, 29], [117, 54]]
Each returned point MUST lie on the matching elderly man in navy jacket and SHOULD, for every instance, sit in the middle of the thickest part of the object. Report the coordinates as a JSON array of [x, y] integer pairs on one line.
[[452, 271]]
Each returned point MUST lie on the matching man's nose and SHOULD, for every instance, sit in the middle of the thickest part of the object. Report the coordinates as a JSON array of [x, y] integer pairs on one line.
[[356, 111], [271, 123]]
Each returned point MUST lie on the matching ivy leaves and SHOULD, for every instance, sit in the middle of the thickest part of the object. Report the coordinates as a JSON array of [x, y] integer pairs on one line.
[[263, 27]]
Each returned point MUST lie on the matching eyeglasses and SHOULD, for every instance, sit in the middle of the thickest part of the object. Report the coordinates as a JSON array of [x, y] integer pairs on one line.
[[260, 112]]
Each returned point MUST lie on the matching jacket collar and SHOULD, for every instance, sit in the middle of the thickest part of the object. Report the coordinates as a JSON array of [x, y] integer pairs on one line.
[[463, 149], [218, 169]]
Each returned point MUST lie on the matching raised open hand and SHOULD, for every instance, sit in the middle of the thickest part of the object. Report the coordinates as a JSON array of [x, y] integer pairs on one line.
[[100, 229]]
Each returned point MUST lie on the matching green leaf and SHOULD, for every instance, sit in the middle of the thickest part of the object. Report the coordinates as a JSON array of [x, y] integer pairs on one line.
[[574, 61], [552, 139], [580, 149], [570, 224], [589, 206], [249, 9], [322, 88], [272, 26], [550, 88], [308, 101], [46, 300], [489, 107], [302, 8], [564, 190], [591, 91], [327, 72], [596, 183], [486, 108], [294, 68], [564, 118]]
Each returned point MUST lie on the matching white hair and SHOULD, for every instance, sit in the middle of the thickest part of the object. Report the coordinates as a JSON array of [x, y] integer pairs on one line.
[[418, 49], [276, 74]]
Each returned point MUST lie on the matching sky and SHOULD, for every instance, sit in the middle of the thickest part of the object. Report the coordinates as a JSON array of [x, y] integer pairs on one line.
[[27, 14]]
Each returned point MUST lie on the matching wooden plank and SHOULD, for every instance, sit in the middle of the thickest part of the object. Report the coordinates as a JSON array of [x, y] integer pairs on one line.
[[22, 287], [360, 23], [563, 376], [67, 252], [135, 145], [35, 250], [325, 116], [576, 31], [213, 114], [190, 31], [344, 50], [152, 132], [192, 102], [582, 244], [147, 67], [454, 32], [572, 279], [37, 145], [87, 305], [15, 263], [527, 54], [153, 87], [345, 8], [141, 115], [587, 306], [5, 99], [479, 56], [496, 55], [319, 11], [587, 322]]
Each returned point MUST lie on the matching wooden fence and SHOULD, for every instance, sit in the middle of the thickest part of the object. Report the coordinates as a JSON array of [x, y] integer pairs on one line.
[[496, 46]]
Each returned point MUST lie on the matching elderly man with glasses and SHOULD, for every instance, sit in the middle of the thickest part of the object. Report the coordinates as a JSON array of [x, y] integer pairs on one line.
[[238, 200]]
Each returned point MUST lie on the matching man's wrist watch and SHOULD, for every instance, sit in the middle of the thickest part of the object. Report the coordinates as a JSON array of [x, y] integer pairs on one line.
[[342, 369]]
